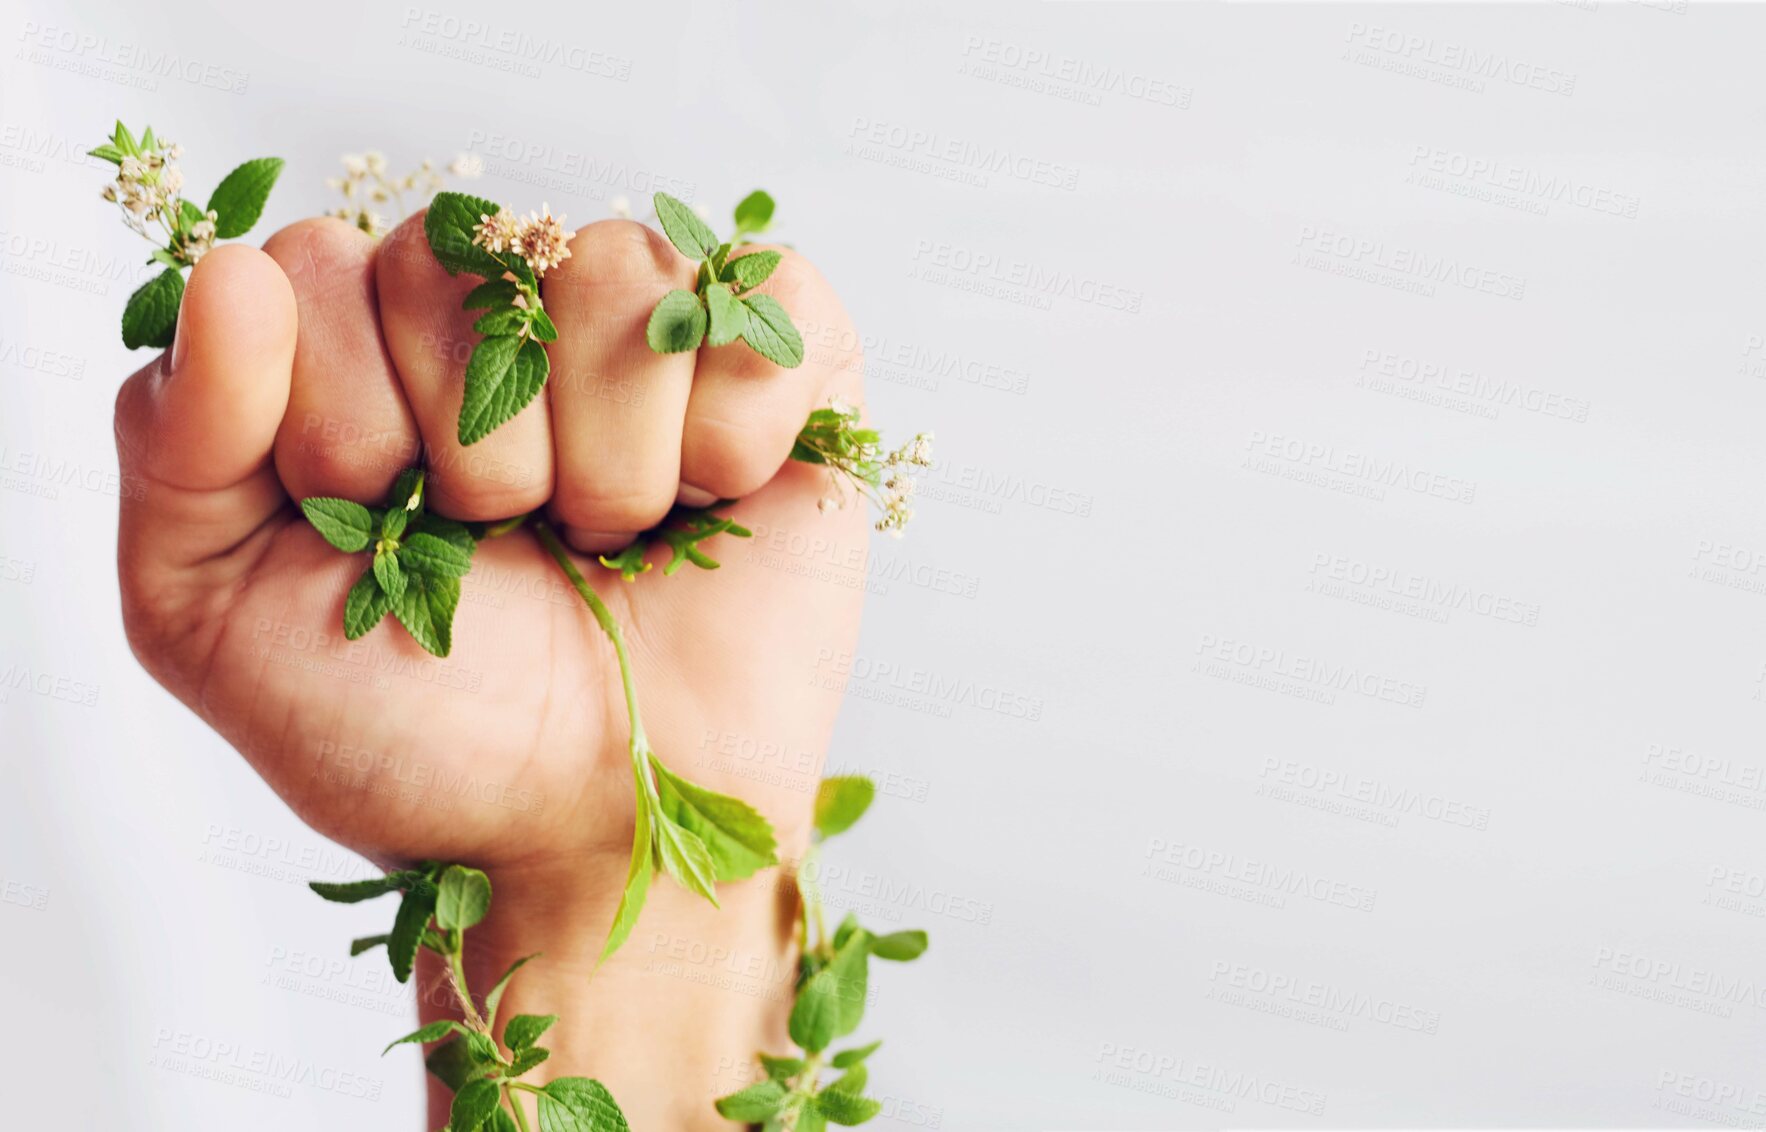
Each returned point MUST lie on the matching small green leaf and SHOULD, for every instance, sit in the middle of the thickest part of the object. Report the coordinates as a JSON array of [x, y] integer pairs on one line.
[[355, 891], [463, 897], [684, 228], [853, 1080], [544, 329], [832, 1002], [847, 1058], [771, 332], [630, 561], [848, 925], [433, 1032], [125, 140], [524, 1030], [503, 320], [393, 521], [686, 858], [489, 294], [434, 557], [501, 1121], [637, 878], [108, 153], [677, 324], [366, 604], [407, 491], [345, 525], [504, 373], [495, 996], [388, 575], [781, 1068], [456, 1061], [842, 1107], [751, 270], [449, 223], [739, 840], [753, 1104], [473, 1105], [900, 946], [407, 930], [810, 1118], [448, 530], [526, 1059], [239, 199], [426, 610], [754, 213], [151, 316], [367, 943], [579, 1104], [729, 318], [841, 801]]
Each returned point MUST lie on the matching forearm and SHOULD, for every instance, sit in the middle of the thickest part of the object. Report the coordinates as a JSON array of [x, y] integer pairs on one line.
[[669, 1023]]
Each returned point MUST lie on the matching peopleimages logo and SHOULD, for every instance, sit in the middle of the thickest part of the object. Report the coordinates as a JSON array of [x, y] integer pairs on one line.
[[1410, 263], [1452, 56]]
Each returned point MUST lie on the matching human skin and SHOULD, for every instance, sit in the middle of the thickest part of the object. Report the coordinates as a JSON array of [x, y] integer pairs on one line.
[[323, 365]]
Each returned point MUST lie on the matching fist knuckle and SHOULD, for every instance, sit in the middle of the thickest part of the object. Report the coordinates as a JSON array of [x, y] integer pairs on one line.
[[612, 508]]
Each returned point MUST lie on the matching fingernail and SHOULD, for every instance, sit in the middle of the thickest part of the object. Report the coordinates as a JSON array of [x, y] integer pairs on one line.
[[690, 496], [598, 542], [180, 340]]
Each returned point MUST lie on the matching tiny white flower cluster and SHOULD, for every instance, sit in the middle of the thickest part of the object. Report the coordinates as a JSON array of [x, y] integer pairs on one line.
[[146, 187], [539, 237], [893, 473], [365, 184], [898, 482]]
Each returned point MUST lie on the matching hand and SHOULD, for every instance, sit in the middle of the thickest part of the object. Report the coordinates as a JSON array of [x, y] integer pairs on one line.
[[324, 365]]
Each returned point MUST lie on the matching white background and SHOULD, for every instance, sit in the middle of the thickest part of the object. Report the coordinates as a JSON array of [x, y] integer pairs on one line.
[[1177, 872]]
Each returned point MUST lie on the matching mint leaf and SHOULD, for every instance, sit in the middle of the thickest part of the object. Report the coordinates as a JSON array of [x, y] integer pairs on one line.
[[492, 293], [853, 1080], [388, 575], [524, 1030], [684, 228], [847, 1058], [502, 376], [754, 213], [781, 1068], [832, 1002], [771, 333], [841, 801], [457, 1061], [845, 930], [449, 224], [367, 943], [355, 891], [578, 1104], [501, 1121], [407, 930], [448, 530], [239, 199], [434, 557], [686, 858], [393, 521], [637, 877], [473, 1105], [503, 320], [842, 1107], [151, 316], [108, 153], [366, 604], [526, 1059], [407, 491], [900, 946], [435, 1031], [677, 324], [738, 839], [426, 610], [495, 996], [345, 525], [543, 328], [753, 1104], [462, 898], [729, 318], [809, 1118], [751, 270]]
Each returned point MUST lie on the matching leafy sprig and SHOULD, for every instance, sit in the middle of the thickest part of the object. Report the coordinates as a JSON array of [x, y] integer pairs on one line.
[[723, 305], [147, 190], [681, 532], [438, 904]]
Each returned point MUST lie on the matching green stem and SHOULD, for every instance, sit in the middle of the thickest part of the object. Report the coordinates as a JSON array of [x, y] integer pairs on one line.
[[640, 744], [515, 1107], [457, 974]]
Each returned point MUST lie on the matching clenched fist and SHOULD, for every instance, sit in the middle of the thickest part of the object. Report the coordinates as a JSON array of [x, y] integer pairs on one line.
[[328, 362]]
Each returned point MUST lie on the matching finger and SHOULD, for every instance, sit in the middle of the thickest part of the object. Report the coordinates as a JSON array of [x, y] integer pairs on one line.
[[745, 411], [195, 429], [617, 406], [431, 339], [347, 432]]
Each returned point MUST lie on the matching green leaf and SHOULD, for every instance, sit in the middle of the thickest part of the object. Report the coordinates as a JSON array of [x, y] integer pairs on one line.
[[462, 898], [501, 1121], [637, 877], [832, 1002], [125, 140], [755, 212], [496, 993], [388, 575], [503, 320], [151, 316], [739, 840], [473, 1105], [239, 199], [848, 925], [771, 332], [781, 1068], [847, 1058], [108, 153], [407, 930], [449, 223], [407, 491], [433, 1032], [684, 228], [579, 1104], [810, 1119], [751, 270], [426, 610], [687, 527], [367, 943], [686, 858], [347, 526], [491, 293], [502, 376], [355, 891], [841, 801], [524, 1030], [526, 1059], [449, 531], [900, 946], [434, 557], [630, 561], [842, 1107], [366, 604], [853, 1080], [755, 1103], [677, 324], [457, 1061], [544, 329], [729, 318], [393, 522]]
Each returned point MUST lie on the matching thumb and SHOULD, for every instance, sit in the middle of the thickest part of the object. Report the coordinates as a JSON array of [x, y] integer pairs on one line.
[[194, 433]]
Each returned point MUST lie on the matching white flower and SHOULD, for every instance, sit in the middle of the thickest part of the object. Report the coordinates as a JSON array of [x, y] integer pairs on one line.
[[355, 165], [375, 162], [620, 207], [466, 165]]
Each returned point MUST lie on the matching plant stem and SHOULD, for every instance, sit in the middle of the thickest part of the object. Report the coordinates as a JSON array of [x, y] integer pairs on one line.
[[640, 744], [515, 1107], [457, 977]]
